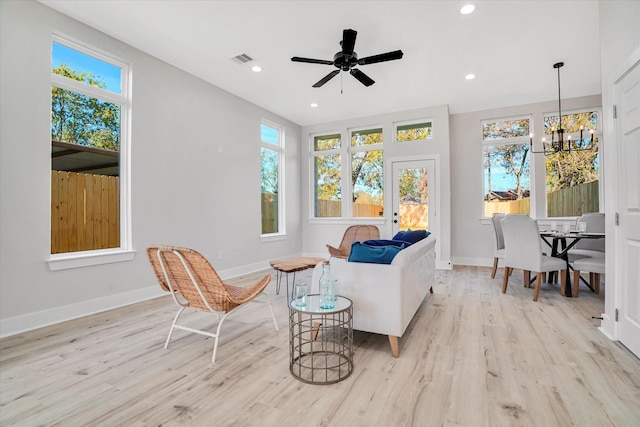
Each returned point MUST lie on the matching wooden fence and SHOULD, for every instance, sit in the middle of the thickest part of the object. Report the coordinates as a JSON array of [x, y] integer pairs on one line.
[[573, 201], [507, 206], [85, 212], [414, 216], [269, 209], [333, 209]]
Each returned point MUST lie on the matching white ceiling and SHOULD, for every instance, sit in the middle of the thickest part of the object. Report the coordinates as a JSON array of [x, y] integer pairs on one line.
[[511, 46]]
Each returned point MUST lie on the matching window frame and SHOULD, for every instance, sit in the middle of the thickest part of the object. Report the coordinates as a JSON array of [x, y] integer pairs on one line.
[[359, 149], [280, 150], [507, 141], [125, 251], [598, 133], [313, 153], [345, 152]]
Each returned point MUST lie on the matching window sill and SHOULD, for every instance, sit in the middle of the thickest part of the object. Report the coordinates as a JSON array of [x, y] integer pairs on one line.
[[89, 258], [272, 237]]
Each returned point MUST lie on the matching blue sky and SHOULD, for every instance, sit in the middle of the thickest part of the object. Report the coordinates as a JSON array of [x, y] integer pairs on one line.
[[108, 73], [269, 134]]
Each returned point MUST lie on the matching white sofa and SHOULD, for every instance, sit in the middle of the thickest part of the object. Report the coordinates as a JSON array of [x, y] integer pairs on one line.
[[385, 296]]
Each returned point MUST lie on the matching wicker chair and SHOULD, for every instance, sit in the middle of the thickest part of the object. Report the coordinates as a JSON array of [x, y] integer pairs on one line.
[[193, 283], [354, 233]]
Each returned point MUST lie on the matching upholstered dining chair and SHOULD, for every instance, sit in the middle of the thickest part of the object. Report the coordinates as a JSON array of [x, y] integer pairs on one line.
[[595, 267], [354, 233], [589, 247], [523, 251], [193, 283], [498, 250]]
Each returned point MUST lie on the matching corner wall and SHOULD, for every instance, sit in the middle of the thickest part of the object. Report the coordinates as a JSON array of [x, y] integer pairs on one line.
[[182, 193]]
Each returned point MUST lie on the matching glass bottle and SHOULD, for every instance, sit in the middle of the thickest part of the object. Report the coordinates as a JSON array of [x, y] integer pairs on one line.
[[327, 288]]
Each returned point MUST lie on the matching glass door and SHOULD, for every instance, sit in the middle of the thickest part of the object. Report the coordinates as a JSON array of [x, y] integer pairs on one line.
[[414, 195]]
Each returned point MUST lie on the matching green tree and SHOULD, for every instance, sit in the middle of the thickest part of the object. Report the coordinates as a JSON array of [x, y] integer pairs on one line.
[[367, 166], [82, 119], [566, 169], [269, 171], [514, 158], [413, 185]]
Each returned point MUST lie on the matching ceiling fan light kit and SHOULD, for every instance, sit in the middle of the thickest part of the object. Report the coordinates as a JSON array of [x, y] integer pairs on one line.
[[347, 59]]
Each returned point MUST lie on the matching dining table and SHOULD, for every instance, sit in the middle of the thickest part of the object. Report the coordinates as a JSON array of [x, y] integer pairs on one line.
[[561, 242]]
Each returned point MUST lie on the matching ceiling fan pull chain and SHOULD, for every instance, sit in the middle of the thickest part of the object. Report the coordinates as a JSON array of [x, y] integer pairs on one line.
[[341, 92]]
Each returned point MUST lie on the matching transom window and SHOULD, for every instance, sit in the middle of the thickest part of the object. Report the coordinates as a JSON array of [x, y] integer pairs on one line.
[[413, 131], [506, 159], [89, 116]]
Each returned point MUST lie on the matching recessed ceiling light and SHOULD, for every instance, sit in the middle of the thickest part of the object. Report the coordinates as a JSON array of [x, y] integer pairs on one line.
[[314, 105], [467, 9], [256, 68], [470, 76]]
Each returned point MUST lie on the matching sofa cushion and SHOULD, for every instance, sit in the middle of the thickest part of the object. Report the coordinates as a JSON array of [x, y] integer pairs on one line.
[[386, 242], [361, 252], [411, 236]]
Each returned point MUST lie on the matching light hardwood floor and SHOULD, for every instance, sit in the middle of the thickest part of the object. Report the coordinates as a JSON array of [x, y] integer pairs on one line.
[[471, 357]]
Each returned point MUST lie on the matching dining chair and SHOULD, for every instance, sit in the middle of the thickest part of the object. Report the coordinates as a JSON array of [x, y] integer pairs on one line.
[[498, 250], [589, 247], [595, 267], [354, 233], [193, 283], [523, 251]]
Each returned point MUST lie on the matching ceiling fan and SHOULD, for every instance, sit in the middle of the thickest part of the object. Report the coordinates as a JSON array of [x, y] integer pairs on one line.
[[347, 59]]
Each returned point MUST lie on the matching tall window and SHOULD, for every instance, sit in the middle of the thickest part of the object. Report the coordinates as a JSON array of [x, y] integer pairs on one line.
[[89, 110], [505, 148], [271, 178], [572, 178], [366, 173], [327, 176]]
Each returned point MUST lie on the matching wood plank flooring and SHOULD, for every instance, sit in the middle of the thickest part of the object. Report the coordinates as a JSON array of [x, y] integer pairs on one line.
[[471, 357]]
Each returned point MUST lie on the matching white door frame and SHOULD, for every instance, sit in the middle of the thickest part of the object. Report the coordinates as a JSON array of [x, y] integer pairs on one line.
[[627, 326], [614, 262], [436, 194]]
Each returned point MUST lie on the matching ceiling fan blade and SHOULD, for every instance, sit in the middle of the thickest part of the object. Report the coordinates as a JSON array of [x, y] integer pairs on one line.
[[311, 61], [326, 78], [362, 77], [348, 41], [389, 56]]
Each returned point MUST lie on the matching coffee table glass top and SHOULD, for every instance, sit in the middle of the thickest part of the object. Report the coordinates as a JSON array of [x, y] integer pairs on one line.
[[313, 305]]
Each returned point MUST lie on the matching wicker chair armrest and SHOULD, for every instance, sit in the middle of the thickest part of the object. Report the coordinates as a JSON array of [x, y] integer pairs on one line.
[[240, 295], [338, 253]]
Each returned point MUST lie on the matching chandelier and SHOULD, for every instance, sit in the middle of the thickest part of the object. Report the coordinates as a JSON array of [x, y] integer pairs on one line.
[[558, 143]]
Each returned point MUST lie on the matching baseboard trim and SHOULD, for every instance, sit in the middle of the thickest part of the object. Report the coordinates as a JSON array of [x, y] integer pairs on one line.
[[28, 322], [40, 319]]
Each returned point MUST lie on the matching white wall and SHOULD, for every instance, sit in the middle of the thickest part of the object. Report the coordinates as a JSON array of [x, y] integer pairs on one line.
[[181, 193], [619, 39], [472, 239], [319, 232]]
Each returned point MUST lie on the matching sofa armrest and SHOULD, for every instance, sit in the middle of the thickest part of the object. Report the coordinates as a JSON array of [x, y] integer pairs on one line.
[[375, 290]]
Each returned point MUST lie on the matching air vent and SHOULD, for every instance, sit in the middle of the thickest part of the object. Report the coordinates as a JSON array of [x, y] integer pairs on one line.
[[242, 59]]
